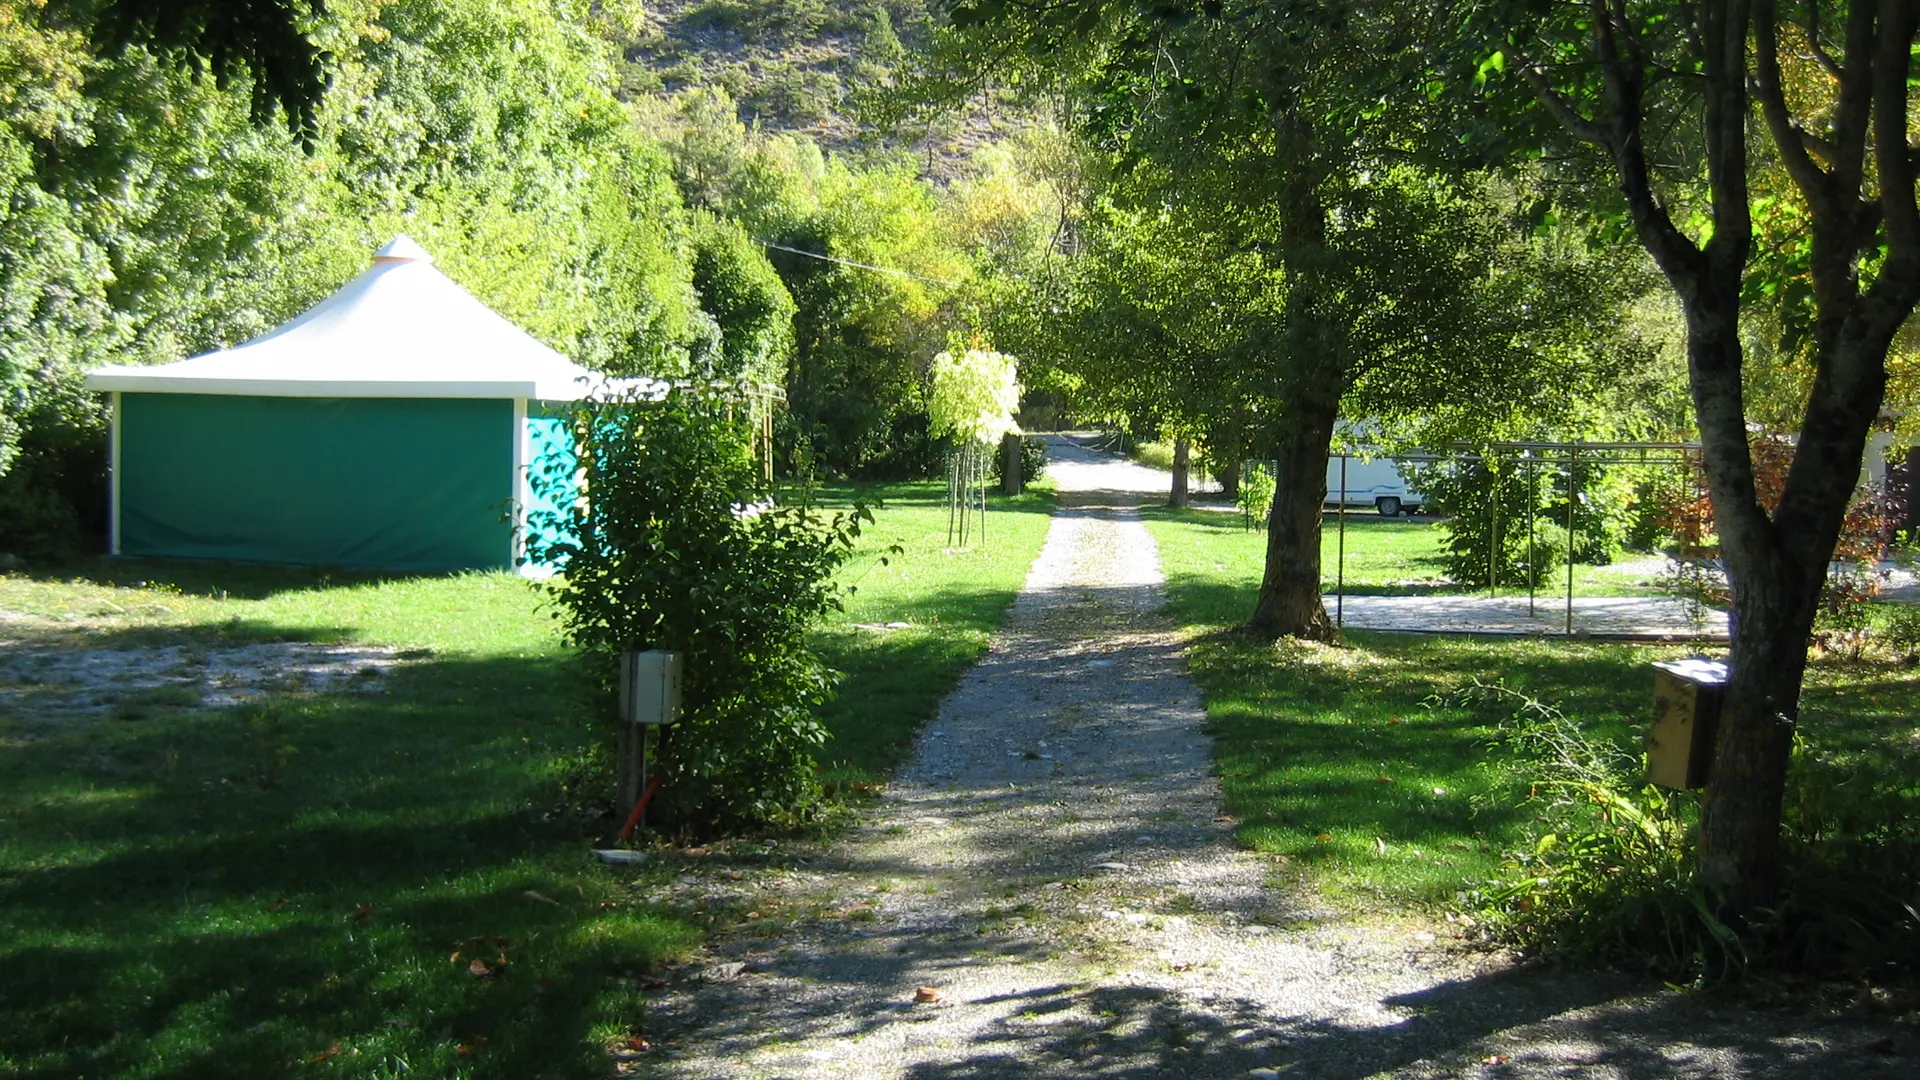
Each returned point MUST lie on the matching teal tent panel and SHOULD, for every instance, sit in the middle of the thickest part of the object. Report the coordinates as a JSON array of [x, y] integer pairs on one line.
[[381, 483], [552, 481]]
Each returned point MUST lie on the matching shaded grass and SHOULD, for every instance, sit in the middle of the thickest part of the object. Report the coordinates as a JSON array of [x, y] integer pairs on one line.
[[952, 599], [1360, 768], [190, 892]]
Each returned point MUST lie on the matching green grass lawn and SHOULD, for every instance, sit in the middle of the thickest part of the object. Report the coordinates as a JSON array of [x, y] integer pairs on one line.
[[1383, 556], [1351, 764], [216, 893], [309, 882], [951, 599]]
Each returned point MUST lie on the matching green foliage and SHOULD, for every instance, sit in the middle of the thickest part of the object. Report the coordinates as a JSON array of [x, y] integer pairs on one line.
[[975, 395], [1033, 461], [1472, 496], [740, 290], [1605, 870], [1255, 497], [681, 547]]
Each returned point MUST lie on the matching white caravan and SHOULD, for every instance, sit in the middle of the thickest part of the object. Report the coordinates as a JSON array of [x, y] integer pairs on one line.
[[1377, 483]]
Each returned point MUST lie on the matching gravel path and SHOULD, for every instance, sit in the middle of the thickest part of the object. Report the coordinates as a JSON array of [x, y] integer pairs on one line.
[[1052, 871]]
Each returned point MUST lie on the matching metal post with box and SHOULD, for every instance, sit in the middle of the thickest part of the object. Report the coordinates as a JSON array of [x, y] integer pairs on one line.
[[1687, 695], [649, 698]]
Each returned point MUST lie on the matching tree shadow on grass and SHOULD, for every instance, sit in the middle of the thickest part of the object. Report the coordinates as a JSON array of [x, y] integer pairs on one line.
[[207, 895]]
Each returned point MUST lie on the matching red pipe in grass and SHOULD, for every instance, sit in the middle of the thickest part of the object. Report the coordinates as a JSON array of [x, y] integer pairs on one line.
[[633, 819]]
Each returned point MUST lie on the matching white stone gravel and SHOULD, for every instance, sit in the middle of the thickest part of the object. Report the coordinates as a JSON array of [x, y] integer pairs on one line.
[[1052, 864]]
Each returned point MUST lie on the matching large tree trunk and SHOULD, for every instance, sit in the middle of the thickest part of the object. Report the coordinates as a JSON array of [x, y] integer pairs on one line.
[[1289, 602], [1313, 378], [1182, 448]]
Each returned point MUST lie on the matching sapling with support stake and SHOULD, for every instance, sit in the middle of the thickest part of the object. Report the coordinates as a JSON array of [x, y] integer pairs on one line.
[[975, 394]]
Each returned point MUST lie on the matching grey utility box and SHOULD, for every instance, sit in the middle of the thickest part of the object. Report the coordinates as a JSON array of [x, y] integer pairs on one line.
[[1687, 695], [649, 687]]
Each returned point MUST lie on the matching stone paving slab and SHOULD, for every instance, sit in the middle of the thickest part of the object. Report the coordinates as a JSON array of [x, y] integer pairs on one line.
[[1622, 617]]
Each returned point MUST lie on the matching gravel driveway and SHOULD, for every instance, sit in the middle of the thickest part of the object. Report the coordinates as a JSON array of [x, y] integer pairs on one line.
[[1051, 870]]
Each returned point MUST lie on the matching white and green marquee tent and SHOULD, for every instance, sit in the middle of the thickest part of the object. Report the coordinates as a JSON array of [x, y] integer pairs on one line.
[[391, 426]]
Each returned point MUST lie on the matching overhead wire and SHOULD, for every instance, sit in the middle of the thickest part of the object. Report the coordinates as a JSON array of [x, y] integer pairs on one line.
[[858, 265]]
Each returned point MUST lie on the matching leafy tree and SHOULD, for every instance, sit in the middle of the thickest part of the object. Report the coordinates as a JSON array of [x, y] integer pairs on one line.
[[1669, 90], [749, 304], [1285, 132], [269, 42]]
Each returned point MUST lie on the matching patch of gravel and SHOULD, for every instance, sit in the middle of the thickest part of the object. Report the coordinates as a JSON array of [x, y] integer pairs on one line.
[[55, 683], [1052, 869]]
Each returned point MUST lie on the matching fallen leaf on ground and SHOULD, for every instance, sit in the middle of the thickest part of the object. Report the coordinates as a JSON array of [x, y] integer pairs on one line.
[[1495, 1059], [363, 913], [323, 1055], [638, 1044], [479, 969], [925, 995]]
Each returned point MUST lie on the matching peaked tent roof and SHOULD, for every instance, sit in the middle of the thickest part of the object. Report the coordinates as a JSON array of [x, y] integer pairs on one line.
[[400, 329]]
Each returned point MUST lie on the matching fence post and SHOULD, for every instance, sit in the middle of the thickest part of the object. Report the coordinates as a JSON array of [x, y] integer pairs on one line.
[[1573, 499], [1340, 563]]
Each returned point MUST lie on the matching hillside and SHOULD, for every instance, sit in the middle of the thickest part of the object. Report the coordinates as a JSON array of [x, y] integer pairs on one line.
[[803, 66]]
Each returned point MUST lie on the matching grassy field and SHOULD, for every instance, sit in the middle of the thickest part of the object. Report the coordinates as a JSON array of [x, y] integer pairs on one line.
[[1353, 764], [1383, 555], [951, 600], [382, 883]]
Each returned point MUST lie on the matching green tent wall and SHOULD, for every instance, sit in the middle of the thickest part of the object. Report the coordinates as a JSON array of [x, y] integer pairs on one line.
[[393, 426]]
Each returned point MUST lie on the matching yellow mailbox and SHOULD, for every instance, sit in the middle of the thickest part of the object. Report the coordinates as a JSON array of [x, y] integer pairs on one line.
[[1687, 695]]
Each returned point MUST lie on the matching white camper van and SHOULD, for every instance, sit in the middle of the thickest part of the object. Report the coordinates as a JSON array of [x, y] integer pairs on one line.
[[1377, 483]]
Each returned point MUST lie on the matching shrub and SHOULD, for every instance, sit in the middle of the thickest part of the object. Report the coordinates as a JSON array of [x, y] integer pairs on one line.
[[1033, 460], [1255, 494], [53, 494], [1467, 494], [1606, 869], [681, 547]]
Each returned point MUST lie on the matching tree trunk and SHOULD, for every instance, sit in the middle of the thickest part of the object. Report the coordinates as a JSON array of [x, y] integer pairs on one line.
[[1182, 448], [1313, 378], [1289, 602], [1229, 476], [1011, 482]]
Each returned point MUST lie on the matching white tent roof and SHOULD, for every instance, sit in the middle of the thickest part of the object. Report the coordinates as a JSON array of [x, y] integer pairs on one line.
[[400, 329]]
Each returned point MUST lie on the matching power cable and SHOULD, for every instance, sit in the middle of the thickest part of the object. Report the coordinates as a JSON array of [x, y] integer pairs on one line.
[[858, 265]]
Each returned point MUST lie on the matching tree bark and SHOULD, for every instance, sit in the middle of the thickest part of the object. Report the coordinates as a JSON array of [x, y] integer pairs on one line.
[[1011, 482], [1229, 476], [1289, 603], [1182, 448], [1313, 376]]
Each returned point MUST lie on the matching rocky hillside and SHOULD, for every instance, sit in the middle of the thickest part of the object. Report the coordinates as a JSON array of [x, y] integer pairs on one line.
[[807, 66]]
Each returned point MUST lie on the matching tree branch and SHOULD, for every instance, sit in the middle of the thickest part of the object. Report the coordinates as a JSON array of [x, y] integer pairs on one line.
[[1895, 162], [1820, 54], [1563, 111], [1849, 124], [1813, 181]]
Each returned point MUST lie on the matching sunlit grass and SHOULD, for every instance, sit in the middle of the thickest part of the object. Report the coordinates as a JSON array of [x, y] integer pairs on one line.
[[1361, 769], [1382, 556], [951, 599]]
